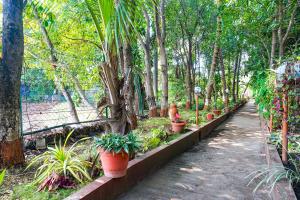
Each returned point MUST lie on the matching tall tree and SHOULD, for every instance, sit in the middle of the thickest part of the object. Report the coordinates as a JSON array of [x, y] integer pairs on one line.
[[55, 64], [11, 150], [145, 43], [223, 76], [160, 27], [210, 84], [112, 21]]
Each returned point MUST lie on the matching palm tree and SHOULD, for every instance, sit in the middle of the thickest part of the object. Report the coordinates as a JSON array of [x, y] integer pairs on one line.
[[113, 20]]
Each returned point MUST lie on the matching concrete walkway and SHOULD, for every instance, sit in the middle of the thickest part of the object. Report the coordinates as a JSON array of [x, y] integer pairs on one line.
[[214, 169]]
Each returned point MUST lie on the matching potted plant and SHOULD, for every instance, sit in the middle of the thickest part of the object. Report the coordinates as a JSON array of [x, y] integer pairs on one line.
[[210, 116], [115, 150], [218, 108], [177, 124]]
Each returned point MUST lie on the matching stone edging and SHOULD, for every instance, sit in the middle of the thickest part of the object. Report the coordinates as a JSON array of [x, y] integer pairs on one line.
[[105, 188], [283, 189]]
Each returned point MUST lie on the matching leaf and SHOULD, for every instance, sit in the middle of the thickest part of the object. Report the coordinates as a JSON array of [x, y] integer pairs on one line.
[[2, 175]]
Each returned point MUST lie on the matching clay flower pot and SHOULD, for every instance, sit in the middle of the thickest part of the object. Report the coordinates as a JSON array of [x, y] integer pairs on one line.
[[217, 112], [178, 127], [210, 116], [114, 164]]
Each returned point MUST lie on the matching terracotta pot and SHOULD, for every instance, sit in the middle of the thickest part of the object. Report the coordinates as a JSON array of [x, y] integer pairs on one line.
[[172, 112], [210, 116], [177, 127], [114, 164], [217, 112]]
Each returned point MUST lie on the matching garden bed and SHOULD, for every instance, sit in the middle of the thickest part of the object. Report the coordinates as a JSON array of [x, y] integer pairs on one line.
[[282, 189], [107, 188], [157, 138]]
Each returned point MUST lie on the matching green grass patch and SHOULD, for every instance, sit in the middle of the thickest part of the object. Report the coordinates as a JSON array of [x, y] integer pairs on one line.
[[29, 192]]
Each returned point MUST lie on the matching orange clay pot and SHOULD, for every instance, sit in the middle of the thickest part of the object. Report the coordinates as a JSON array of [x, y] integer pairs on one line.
[[177, 127], [114, 164], [217, 112], [172, 112], [210, 116]]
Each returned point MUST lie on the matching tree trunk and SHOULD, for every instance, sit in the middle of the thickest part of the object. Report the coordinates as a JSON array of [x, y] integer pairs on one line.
[[11, 149], [234, 78], [58, 82], [238, 77], [280, 21], [223, 76], [160, 27], [211, 79], [188, 78], [148, 79], [273, 49], [155, 72], [128, 86]]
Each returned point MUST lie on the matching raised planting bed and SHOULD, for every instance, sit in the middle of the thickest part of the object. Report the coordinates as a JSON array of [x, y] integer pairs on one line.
[[283, 189], [107, 188]]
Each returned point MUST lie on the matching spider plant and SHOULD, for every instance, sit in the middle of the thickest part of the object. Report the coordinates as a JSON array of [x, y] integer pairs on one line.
[[63, 161], [268, 177]]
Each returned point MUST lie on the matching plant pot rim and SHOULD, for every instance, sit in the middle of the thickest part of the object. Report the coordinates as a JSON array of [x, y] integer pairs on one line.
[[102, 150], [181, 123]]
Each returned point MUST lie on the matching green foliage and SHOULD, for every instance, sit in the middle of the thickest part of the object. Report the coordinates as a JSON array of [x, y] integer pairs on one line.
[[2, 175], [154, 139], [113, 142], [28, 191], [262, 84], [62, 161], [269, 177]]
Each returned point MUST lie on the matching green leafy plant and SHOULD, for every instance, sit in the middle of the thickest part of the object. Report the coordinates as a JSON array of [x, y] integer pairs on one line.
[[2, 175], [60, 161], [157, 136], [269, 177], [116, 143]]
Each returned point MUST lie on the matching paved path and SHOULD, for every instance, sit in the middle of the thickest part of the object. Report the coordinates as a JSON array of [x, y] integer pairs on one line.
[[214, 169]]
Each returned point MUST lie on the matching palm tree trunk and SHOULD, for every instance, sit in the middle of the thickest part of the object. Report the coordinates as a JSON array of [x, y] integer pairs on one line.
[[11, 150]]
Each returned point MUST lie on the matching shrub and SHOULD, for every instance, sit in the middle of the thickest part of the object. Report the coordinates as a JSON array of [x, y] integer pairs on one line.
[[115, 142], [58, 162], [269, 177]]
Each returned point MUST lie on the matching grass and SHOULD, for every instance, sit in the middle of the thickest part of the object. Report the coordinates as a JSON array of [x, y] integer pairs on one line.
[[26, 192]]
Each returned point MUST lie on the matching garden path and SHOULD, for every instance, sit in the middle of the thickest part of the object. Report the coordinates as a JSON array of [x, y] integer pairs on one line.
[[214, 169]]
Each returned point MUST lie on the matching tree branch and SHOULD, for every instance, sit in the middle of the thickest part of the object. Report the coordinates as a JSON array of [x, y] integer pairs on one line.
[[86, 41], [290, 23]]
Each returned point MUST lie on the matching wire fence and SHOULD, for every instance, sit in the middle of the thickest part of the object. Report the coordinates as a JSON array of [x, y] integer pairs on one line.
[[44, 106]]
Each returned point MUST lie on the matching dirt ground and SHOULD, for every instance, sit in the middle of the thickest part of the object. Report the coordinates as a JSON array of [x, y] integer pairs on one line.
[[214, 169], [36, 116]]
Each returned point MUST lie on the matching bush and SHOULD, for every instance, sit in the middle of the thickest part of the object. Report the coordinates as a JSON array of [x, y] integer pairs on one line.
[[115, 142], [59, 162]]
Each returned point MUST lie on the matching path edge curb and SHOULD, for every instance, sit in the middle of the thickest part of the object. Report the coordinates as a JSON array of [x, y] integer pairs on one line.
[[283, 189]]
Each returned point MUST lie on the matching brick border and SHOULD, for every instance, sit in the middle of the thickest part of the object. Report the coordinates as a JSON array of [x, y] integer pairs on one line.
[[283, 189], [105, 188]]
